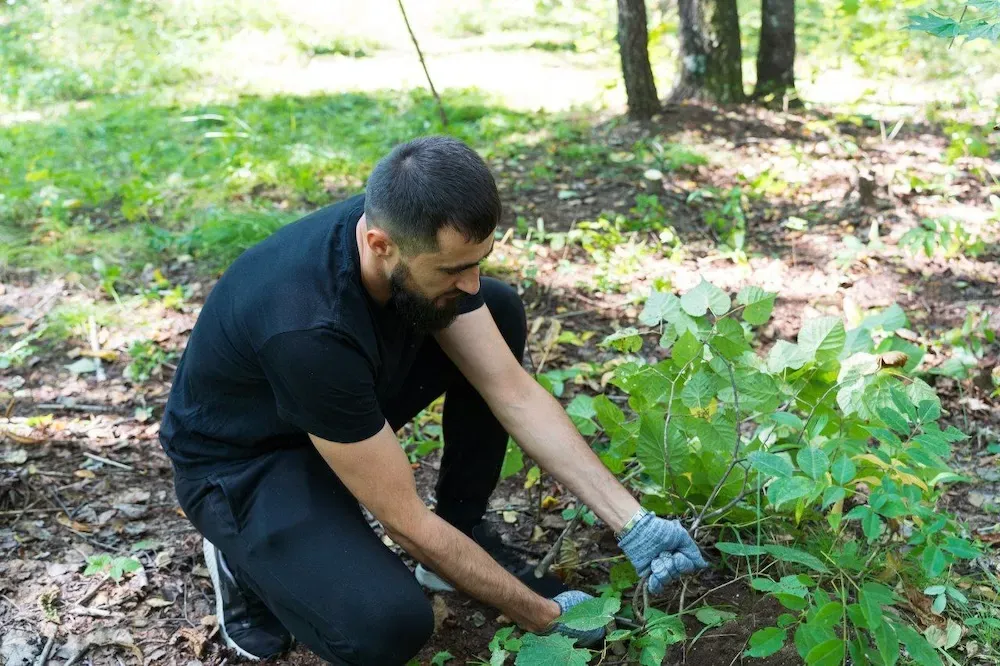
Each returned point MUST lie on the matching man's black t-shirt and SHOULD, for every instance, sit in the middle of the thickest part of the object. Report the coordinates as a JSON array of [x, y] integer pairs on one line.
[[288, 342]]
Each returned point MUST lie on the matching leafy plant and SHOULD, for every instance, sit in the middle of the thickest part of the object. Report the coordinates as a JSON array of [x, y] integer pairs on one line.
[[824, 440], [114, 567], [982, 23], [148, 359], [727, 220], [950, 237]]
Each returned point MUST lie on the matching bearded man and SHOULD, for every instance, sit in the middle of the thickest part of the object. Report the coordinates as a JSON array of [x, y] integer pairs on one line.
[[311, 351]]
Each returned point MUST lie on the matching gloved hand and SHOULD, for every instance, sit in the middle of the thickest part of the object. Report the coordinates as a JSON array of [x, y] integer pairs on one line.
[[567, 600], [661, 549]]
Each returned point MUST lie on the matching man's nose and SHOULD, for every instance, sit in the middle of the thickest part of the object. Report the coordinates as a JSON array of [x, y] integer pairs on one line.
[[469, 281]]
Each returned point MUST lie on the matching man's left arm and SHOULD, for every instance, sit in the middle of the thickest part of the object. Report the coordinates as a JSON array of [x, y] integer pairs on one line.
[[660, 549], [533, 417]]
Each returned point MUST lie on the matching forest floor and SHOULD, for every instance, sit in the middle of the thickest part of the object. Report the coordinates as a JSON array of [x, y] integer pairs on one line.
[[82, 473]]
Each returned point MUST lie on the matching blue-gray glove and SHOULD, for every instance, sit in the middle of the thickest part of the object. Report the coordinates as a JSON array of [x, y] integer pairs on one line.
[[661, 549], [567, 600]]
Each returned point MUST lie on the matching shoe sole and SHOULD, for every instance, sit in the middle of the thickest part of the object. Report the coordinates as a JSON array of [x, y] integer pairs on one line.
[[431, 581], [212, 563]]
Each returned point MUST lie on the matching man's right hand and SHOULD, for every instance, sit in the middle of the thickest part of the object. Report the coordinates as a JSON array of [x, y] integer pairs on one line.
[[567, 600]]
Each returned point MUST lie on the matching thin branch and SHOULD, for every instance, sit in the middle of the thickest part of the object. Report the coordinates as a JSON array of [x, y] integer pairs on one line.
[[812, 412], [550, 556], [444, 118], [736, 447]]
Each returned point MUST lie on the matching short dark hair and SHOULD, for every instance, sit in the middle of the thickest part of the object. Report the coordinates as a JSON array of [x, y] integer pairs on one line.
[[426, 184]]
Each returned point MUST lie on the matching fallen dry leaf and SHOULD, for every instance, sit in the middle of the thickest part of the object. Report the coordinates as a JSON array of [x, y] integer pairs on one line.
[[62, 519], [441, 612], [194, 638]]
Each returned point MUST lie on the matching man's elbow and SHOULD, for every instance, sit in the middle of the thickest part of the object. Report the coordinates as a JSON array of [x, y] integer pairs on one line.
[[408, 527]]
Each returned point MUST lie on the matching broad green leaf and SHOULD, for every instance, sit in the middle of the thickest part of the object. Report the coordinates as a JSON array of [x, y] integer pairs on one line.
[[699, 390], [771, 464], [785, 355], [934, 561], [609, 415], [581, 411], [856, 373], [618, 635], [843, 469], [808, 635], [888, 320], [917, 647], [551, 650], [871, 609], [765, 642], [591, 614], [833, 494], [828, 615], [440, 658], [731, 548], [813, 461], [626, 340], [713, 617], [757, 391], [513, 461], [730, 339], [893, 419], [717, 435], [652, 450], [823, 338], [827, 653], [686, 349], [939, 603], [787, 554], [871, 525], [759, 304], [928, 410], [787, 490], [960, 548], [705, 296], [939, 26], [887, 643], [660, 306]]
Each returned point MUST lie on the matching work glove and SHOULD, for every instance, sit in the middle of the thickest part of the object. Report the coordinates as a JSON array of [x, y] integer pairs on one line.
[[662, 550], [567, 600]]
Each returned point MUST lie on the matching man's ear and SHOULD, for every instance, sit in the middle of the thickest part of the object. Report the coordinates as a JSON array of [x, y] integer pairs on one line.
[[380, 243]]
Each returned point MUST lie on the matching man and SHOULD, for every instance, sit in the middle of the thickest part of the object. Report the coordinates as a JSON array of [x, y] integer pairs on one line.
[[311, 351]]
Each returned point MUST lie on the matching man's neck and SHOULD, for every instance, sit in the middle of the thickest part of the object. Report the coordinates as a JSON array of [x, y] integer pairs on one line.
[[372, 279]]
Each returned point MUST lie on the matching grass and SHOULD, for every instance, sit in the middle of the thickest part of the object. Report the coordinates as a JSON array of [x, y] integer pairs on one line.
[[131, 180]]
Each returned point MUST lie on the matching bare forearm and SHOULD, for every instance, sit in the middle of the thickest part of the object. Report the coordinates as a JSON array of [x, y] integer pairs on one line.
[[537, 421], [462, 562]]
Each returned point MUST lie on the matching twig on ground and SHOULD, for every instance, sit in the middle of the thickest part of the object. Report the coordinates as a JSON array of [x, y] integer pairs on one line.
[[78, 655], [184, 606], [74, 407], [625, 622], [550, 556], [413, 38], [46, 651], [93, 612], [89, 594], [95, 347], [108, 461]]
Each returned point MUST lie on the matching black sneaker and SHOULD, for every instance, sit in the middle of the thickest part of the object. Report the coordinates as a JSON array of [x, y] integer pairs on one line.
[[509, 558], [247, 625]]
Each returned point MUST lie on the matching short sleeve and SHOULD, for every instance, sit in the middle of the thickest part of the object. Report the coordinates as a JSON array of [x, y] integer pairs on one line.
[[470, 302], [322, 384]]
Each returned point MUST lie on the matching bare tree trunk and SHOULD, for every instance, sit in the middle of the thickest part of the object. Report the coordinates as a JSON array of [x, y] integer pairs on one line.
[[711, 57], [776, 57], [633, 45]]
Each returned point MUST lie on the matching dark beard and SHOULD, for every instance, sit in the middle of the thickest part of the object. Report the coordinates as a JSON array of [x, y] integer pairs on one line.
[[416, 310]]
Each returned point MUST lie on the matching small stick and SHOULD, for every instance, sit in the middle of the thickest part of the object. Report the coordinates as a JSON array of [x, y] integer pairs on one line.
[[640, 590], [46, 651], [74, 407], [93, 612], [89, 594], [550, 556], [78, 655], [444, 118], [108, 461], [96, 348]]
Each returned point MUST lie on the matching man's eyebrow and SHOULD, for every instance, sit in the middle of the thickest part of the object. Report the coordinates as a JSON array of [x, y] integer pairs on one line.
[[462, 267]]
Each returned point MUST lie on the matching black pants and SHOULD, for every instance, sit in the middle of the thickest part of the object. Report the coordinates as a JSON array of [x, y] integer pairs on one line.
[[292, 532]]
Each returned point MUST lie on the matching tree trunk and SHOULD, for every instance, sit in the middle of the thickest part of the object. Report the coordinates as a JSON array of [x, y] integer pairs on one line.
[[776, 58], [711, 58], [633, 44]]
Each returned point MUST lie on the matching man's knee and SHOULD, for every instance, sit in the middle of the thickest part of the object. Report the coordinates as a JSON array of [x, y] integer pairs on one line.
[[396, 629], [507, 309]]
